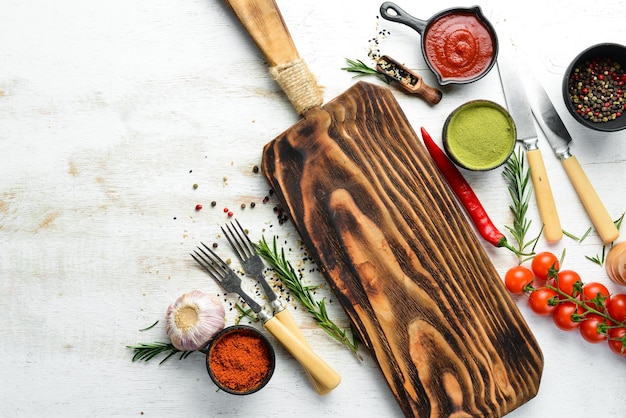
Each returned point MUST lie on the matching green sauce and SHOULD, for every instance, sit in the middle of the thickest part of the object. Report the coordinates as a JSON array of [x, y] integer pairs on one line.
[[479, 135]]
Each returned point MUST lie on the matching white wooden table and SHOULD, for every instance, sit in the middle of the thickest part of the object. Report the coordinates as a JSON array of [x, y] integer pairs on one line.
[[111, 111]]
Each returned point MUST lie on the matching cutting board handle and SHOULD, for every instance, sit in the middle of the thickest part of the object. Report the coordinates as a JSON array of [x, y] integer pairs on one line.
[[265, 25]]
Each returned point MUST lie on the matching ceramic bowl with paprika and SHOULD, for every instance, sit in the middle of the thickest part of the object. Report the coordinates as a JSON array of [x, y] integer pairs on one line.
[[240, 360], [597, 75]]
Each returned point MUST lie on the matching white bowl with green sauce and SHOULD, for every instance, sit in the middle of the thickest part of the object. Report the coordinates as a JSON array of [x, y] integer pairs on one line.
[[479, 135]]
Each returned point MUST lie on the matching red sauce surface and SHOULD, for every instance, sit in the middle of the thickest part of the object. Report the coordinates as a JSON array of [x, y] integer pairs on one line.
[[458, 46]]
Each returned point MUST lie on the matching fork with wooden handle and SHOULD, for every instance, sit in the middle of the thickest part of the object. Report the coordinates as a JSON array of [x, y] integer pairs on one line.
[[253, 265], [231, 282]]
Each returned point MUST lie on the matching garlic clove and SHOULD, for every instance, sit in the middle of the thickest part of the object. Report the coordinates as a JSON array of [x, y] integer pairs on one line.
[[193, 320]]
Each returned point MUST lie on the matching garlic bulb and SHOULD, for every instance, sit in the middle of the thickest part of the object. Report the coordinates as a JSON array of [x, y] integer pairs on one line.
[[193, 320]]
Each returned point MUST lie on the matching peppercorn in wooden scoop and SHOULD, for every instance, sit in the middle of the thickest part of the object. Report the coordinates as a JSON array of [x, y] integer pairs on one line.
[[408, 79], [393, 243]]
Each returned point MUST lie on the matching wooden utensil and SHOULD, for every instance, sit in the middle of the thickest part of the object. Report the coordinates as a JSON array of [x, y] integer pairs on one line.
[[393, 244], [408, 79]]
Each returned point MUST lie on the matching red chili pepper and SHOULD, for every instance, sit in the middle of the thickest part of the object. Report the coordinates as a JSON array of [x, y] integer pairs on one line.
[[465, 194]]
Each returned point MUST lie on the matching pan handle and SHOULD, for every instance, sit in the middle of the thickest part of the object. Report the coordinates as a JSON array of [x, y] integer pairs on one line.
[[265, 25], [393, 12]]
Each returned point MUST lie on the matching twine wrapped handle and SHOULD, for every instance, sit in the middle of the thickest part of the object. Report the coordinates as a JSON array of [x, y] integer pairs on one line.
[[300, 86]]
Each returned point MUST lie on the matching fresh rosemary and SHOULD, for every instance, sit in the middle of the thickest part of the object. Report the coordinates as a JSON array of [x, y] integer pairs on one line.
[[148, 351], [285, 271], [600, 258], [361, 69], [244, 313], [517, 175]]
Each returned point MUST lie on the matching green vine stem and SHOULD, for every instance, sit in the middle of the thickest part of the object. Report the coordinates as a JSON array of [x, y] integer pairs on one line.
[[576, 317]]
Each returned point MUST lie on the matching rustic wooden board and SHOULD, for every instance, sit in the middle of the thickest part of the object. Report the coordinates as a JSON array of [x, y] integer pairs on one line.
[[401, 257]]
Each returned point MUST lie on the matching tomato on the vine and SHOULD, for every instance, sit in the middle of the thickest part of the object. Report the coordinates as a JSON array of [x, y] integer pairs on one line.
[[542, 263], [595, 295], [590, 331], [616, 307], [564, 316], [540, 301], [568, 282], [617, 340], [516, 279]]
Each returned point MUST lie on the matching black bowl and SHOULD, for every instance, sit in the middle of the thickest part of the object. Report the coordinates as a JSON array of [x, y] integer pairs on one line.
[[610, 51], [247, 379]]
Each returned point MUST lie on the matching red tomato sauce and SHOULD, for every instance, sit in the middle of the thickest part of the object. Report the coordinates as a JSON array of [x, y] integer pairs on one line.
[[459, 46]]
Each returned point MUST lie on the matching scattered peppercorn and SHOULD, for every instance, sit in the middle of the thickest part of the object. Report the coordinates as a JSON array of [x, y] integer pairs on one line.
[[255, 169], [195, 185], [243, 206], [252, 204], [215, 245], [198, 206], [595, 89], [213, 203], [225, 210], [230, 214]]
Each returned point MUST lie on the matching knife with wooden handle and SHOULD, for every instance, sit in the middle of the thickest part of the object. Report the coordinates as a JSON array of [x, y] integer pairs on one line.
[[519, 108], [559, 138]]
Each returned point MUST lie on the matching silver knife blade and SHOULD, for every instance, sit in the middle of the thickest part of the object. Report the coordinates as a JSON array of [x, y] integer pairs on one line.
[[549, 120], [556, 133], [519, 108], [517, 102]]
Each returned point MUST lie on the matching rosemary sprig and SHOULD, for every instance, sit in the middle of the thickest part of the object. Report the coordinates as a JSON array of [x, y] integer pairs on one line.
[[244, 313], [517, 175], [361, 69], [600, 258], [285, 271], [148, 351]]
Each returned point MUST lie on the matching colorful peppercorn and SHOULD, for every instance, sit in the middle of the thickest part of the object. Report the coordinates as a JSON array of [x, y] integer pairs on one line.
[[595, 90]]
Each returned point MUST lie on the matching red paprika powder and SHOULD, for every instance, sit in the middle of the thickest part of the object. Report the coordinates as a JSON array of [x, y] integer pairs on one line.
[[240, 360]]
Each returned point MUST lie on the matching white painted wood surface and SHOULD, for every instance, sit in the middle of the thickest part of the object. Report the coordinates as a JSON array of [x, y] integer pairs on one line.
[[111, 111]]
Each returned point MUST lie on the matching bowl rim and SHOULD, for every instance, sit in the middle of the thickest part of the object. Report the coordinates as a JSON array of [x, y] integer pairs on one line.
[[237, 329], [593, 51], [469, 104]]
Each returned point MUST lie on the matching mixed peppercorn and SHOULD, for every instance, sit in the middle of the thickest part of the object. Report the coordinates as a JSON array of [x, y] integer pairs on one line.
[[596, 90]]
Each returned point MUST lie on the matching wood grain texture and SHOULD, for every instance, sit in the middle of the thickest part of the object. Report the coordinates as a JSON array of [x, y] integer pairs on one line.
[[402, 259]]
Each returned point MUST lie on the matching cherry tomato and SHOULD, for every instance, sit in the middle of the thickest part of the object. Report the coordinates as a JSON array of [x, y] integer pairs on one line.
[[542, 263], [568, 282], [564, 316], [617, 340], [589, 329], [539, 301], [616, 307], [516, 278], [595, 295]]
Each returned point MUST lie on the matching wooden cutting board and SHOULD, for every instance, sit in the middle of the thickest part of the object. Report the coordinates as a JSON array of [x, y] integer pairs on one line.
[[396, 248]]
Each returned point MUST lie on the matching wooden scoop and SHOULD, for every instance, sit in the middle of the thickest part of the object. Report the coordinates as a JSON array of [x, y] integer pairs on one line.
[[408, 79], [393, 244]]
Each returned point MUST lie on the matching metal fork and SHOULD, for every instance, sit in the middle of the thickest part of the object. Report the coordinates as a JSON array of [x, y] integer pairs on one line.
[[253, 265], [226, 277], [314, 365], [250, 260]]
